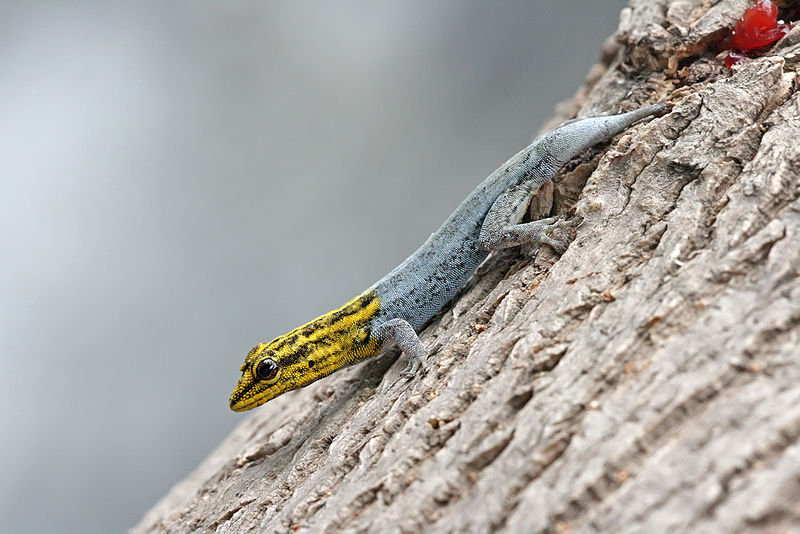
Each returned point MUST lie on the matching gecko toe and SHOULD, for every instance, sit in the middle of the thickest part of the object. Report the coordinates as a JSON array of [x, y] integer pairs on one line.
[[414, 367], [410, 370], [576, 221]]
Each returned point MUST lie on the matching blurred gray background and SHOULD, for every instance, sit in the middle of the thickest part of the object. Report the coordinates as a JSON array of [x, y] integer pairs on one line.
[[181, 180]]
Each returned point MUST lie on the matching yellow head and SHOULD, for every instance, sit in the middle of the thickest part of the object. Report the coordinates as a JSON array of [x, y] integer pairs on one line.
[[308, 353]]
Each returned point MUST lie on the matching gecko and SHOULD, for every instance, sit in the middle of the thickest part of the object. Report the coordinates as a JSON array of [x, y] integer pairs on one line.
[[393, 310]]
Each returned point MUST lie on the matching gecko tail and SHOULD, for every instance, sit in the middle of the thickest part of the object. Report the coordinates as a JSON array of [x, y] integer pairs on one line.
[[573, 137]]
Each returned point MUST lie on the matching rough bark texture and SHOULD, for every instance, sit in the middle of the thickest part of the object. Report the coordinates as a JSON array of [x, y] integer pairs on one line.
[[646, 381]]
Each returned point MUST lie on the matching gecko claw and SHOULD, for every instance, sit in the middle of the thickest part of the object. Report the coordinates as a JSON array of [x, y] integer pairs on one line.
[[413, 368]]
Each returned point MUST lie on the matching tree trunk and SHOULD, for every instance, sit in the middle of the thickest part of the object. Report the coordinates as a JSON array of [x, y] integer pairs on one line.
[[646, 381]]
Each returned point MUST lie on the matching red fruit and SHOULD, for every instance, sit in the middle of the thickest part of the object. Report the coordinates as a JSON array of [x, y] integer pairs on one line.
[[758, 27]]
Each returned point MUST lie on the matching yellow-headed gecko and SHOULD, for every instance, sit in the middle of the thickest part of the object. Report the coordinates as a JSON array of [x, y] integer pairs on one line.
[[399, 305]]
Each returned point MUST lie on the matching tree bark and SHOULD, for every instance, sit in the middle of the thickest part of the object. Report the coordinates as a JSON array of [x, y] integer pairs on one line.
[[646, 381]]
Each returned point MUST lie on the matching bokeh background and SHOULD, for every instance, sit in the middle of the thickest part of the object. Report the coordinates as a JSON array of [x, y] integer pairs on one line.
[[181, 180]]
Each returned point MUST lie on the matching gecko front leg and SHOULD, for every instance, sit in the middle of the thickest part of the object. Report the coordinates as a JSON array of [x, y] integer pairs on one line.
[[400, 333]]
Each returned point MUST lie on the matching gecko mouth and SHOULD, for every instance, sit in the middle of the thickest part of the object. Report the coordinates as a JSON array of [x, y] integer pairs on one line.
[[246, 404], [249, 394], [240, 401]]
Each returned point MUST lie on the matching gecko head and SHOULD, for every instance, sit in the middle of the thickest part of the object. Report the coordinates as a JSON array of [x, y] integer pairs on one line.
[[306, 354], [266, 373]]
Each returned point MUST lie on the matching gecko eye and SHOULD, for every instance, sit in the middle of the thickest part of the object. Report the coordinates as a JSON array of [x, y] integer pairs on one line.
[[266, 369]]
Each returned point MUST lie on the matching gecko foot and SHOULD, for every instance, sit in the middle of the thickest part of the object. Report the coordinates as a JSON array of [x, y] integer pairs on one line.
[[414, 366], [544, 234]]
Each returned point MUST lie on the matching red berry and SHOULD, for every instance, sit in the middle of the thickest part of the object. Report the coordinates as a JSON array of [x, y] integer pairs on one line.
[[758, 27]]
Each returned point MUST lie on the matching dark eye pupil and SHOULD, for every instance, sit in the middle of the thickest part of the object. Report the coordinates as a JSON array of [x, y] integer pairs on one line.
[[266, 369]]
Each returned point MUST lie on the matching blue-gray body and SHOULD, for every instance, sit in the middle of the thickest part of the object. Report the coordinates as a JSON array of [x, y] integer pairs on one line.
[[427, 280]]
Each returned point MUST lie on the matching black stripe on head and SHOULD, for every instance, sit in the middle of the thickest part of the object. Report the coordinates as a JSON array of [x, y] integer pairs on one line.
[[297, 353], [308, 329]]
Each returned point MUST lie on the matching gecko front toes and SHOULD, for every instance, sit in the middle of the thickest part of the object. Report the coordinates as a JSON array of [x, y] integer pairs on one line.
[[415, 364], [411, 369]]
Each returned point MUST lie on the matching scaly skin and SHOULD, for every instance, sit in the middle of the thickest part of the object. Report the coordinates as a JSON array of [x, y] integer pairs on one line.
[[399, 305]]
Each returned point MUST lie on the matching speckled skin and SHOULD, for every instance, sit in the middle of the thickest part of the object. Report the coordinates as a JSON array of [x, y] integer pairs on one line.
[[487, 220]]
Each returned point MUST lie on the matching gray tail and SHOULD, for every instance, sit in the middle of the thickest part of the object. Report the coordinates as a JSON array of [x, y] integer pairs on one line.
[[573, 137]]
